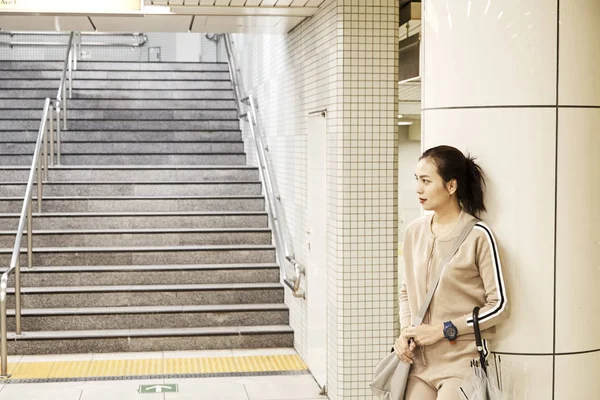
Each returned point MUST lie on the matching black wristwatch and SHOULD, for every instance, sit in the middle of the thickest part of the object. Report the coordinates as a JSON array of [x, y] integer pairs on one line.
[[450, 332]]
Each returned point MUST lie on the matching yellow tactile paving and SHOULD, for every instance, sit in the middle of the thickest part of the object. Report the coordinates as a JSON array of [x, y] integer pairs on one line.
[[155, 366], [31, 370], [182, 366], [144, 367], [108, 367], [69, 369]]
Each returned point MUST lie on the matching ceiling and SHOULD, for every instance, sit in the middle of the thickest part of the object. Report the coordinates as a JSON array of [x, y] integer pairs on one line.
[[214, 16]]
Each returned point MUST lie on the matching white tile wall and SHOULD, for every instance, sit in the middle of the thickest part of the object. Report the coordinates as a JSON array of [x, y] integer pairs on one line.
[[343, 59]]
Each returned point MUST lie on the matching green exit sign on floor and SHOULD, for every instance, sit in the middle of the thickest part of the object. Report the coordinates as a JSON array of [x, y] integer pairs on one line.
[[158, 388]]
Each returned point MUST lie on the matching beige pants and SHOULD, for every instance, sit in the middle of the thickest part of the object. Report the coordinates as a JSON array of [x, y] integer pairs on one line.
[[446, 366]]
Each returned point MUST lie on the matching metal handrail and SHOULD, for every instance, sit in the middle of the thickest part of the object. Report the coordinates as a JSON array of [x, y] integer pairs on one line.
[[144, 39], [69, 63], [38, 165], [276, 214]]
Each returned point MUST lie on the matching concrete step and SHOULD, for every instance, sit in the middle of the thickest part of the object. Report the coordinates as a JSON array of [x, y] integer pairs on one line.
[[148, 295], [212, 147], [82, 75], [41, 93], [116, 136], [136, 340], [99, 114], [7, 65], [77, 204], [118, 84], [141, 220], [174, 274], [115, 66], [115, 188], [146, 255], [133, 159], [102, 124], [140, 237], [123, 104], [150, 317], [135, 173]]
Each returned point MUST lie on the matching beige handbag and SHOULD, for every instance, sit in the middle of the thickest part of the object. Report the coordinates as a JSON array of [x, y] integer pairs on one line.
[[391, 374]]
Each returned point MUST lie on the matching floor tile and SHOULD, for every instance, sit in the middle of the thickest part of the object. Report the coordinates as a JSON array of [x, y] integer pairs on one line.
[[14, 359], [42, 391], [119, 390], [208, 388], [57, 357], [128, 356], [198, 354], [264, 352], [296, 387]]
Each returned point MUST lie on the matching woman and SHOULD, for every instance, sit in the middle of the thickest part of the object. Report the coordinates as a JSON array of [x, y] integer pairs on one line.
[[440, 350]]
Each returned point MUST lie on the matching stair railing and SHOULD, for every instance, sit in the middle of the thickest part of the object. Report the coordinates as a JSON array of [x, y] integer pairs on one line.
[[141, 39], [39, 167], [66, 78], [276, 214]]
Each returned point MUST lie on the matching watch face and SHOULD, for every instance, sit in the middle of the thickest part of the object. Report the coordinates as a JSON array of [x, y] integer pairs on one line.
[[451, 332]]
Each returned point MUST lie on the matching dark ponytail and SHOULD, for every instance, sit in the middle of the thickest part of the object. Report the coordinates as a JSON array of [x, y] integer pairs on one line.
[[451, 164]]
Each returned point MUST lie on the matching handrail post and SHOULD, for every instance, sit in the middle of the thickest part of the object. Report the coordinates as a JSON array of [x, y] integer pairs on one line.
[[71, 73], [39, 184], [75, 43], [45, 162], [57, 132], [17, 298], [29, 234], [51, 138], [64, 100], [3, 334]]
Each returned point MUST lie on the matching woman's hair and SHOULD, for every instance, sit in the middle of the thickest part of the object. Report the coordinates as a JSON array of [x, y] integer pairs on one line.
[[451, 164]]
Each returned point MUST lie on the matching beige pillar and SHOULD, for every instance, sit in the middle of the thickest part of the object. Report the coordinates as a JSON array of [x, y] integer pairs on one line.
[[516, 84]]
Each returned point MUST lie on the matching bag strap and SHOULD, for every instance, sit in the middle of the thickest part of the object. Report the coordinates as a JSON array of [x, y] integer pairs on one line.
[[478, 340], [418, 319]]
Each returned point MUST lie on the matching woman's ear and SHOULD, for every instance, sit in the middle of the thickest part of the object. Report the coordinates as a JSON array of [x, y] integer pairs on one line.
[[452, 186]]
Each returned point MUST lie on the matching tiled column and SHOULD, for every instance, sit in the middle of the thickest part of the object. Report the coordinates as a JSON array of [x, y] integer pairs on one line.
[[365, 184], [517, 83]]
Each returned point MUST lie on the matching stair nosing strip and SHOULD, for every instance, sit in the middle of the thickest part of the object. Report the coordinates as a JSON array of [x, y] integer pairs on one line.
[[138, 214], [78, 198], [131, 167], [140, 333], [147, 268], [180, 309], [143, 249], [153, 183], [44, 290], [138, 231]]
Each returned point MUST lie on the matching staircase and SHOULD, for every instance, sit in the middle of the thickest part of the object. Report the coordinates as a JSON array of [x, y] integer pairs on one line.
[[153, 234]]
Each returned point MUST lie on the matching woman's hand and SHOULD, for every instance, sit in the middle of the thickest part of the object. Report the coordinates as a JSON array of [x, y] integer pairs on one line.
[[425, 335], [405, 347]]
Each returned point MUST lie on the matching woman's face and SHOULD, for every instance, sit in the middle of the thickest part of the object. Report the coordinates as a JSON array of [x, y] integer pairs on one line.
[[434, 193]]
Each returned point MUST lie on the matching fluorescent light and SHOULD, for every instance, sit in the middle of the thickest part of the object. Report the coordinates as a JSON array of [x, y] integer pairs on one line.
[[156, 10], [405, 123], [409, 80]]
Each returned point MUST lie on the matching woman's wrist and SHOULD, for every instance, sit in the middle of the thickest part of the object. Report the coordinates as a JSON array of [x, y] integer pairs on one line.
[[440, 330]]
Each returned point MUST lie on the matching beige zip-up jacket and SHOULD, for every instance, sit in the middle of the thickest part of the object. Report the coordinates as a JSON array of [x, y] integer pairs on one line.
[[473, 277]]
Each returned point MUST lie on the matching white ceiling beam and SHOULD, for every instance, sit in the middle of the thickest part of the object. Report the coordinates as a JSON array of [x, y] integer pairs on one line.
[[231, 10]]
